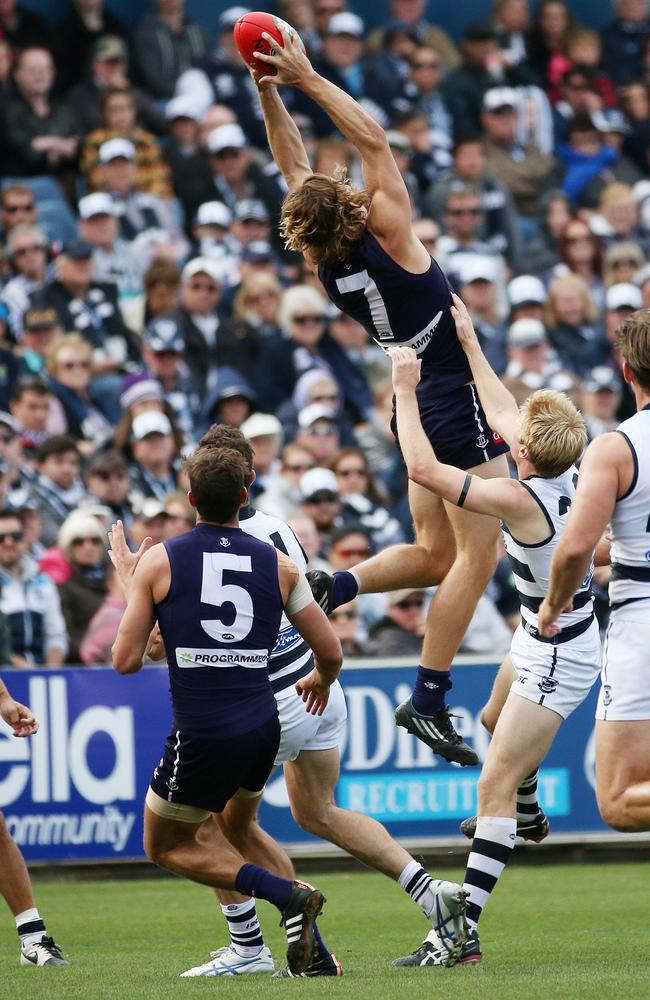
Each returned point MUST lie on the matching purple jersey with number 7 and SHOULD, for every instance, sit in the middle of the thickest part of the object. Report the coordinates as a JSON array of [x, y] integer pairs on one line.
[[398, 307]]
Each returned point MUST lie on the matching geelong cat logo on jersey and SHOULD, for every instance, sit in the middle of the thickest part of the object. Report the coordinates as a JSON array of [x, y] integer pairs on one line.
[[547, 685]]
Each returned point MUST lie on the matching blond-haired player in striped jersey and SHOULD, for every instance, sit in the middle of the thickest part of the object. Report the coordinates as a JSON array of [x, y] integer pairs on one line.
[[553, 675], [615, 488]]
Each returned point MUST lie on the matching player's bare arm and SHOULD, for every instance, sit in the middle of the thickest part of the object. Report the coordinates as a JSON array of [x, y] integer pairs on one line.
[[499, 404], [605, 475], [147, 586], [502, 498], [390, 212], [285, 141], [313, 625], [19, 717]]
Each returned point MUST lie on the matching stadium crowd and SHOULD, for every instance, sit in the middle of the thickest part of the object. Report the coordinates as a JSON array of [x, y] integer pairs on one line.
[[146, 292]]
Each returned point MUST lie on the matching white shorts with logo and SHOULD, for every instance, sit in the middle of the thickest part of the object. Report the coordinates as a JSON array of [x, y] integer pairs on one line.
[[558, 676], [301, 731], [625, 679]]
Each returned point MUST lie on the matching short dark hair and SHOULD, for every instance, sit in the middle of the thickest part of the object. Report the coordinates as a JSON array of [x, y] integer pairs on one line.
[[633, 342], [29, 383], [217, 477], [58, 444], [225, 436], [9, 512], [347, 529], [106, 461], [467, 139]]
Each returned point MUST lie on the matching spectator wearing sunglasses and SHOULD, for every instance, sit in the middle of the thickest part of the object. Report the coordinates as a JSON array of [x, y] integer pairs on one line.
[[318, 432], [28, 252], [463, 220], [321, 502], [69, 365], [29, 600], [108, 483], [400, 631], [363, 499], [346, 622], [351, 543]]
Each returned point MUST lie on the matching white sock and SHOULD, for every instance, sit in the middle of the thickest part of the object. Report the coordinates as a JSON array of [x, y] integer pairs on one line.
[[245, 932], [417, 882], [30, 926]]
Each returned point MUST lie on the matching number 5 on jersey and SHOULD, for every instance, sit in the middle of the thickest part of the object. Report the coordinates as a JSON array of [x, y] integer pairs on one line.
[[235, 602]]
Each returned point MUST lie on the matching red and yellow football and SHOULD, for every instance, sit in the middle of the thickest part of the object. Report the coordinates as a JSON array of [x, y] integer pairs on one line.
[[248, 37]]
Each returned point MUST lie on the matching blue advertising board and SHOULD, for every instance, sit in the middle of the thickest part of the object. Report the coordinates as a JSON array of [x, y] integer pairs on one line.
[[75, 790]]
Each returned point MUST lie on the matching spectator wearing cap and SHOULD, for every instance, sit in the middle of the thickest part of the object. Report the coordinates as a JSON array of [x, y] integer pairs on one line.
[[526, 298], [150, 520], [600, 399], [231, 402], [166, 44], [163, 348], [341, 58], [40, 328], [469, 166], [464, 87], [572, 323], [364, 502], [29, 600], [140, 214], [388, 72], [211, 231], [69, 366], [223, 79], [83, 541], [623, 40], [252, 222], [27, 251], [620, 300], [114, 259], [321, 502], [209, 343], [119, 120], [481, 289], [531, 359], [264, 432], [316, 386], [401, 629], [84, 27], [154, 468], [90, 308], [412, 12], [234, 173], [40, 132], [303, 344], [107, 482], [141, 393], [522, 168], [58, 488], [108, 69], [184, 153], [318, 432]]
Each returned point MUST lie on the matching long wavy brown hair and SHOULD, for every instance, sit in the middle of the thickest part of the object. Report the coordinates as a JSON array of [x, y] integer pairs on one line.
[[324, 217]]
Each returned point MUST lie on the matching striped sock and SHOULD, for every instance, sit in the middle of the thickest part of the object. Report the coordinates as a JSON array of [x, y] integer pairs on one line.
[[417, 882], [491, 849], [30, 926], [527, 804], [245, 932]]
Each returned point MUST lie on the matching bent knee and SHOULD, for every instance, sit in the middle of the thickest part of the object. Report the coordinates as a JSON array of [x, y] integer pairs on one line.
[[489, 717], [312, 820], [614, 812]]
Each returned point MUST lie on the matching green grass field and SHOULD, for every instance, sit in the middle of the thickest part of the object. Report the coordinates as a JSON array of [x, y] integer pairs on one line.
[[549, 932]]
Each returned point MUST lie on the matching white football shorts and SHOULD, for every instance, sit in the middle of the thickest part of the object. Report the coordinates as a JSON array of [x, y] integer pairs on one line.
[[558, 676], [301, 731], [625, 679]]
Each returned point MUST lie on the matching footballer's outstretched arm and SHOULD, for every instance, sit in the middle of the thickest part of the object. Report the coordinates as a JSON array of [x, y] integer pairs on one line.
[[503, 498], [138, 620], [391, 206], [285, 141], [500, 406]]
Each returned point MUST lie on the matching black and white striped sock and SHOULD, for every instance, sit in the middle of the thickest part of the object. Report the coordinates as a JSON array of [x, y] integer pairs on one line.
[[491, 849], [245, 931], [527, 804], [417, 882]]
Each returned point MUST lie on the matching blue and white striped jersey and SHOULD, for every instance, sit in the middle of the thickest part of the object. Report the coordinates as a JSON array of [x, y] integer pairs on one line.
[[291, 658], [531, 564]]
